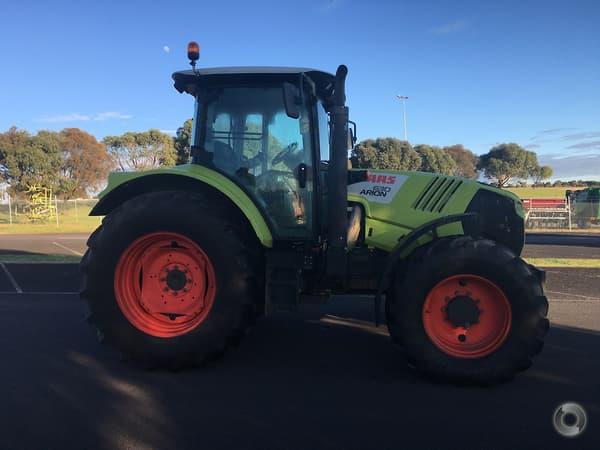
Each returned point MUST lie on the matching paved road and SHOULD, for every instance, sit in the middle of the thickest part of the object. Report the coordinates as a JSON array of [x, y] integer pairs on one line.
[[324, 378], [47, 244], [542, 245], [538, 245]]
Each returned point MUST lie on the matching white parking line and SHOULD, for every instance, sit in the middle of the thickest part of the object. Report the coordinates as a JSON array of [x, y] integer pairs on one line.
[[588, 297], [64, 247], [572, 300], [11, 279]]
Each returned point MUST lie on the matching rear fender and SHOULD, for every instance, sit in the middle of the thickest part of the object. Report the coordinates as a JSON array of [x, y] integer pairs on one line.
[[123, 186]]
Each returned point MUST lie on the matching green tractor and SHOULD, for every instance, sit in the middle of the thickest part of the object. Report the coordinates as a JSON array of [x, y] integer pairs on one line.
[[268, 216], [585, 206]]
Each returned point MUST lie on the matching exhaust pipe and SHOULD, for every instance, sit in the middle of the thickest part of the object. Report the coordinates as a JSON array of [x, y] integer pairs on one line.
[[338, 178]]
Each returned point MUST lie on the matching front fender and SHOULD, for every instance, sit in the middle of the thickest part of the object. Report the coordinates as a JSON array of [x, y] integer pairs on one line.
[[125, 185]]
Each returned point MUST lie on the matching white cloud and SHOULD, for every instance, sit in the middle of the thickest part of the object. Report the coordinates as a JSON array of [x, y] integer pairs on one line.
[[566, 166], [77, 117], [549, 134], [581, 135], [328, 5], [167, 49], [168, 131], [585, 146], [450, 27], [73, 117], [111, 115]]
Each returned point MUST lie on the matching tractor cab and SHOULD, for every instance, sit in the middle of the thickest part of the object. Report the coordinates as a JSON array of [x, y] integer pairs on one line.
[[267, 129]]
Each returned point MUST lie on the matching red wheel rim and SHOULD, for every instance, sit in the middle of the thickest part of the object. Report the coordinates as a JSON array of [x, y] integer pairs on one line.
[[467, 316], [165, 284]]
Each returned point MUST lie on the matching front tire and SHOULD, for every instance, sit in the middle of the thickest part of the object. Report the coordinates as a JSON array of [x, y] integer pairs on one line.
[[468, 310], [170, 279]]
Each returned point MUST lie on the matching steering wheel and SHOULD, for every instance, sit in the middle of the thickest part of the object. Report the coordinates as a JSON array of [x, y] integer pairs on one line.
[[283, 154]]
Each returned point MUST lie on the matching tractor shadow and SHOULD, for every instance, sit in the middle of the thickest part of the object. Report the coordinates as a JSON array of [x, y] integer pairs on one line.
[[324, 378], [36, 272]]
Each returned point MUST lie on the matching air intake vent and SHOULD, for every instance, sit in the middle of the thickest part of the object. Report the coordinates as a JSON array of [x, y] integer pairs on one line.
[[437, 194]]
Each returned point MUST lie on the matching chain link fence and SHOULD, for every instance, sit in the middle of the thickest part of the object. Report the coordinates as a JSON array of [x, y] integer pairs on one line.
[[53, 212]]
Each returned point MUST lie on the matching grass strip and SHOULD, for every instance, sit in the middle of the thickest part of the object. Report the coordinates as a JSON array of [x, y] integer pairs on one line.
[[39, 258], [580, 263]]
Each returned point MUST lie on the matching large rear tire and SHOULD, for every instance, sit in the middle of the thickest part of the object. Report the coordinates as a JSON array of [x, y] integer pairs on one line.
[[170, 279], [468, 310]]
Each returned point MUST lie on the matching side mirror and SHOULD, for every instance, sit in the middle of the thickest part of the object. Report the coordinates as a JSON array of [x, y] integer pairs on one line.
[[291, 100], [351, 135]]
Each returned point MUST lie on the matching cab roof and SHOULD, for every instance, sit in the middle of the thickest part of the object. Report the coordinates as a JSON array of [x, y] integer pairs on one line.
[[189, 81]]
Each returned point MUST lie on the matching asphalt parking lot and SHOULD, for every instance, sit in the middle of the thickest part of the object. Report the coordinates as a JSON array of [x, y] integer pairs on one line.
[[45, 244], [323, 378]]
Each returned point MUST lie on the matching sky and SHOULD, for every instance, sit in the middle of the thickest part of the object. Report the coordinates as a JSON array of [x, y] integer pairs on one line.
[[476, 73]]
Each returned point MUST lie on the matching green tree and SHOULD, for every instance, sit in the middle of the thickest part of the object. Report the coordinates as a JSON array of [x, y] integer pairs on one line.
[[434, 159], [466, 161], [532, 166], [542, 173], [141, 150], [385, 153], [26, 160], [506, 162], [182, 142], [85, 165]]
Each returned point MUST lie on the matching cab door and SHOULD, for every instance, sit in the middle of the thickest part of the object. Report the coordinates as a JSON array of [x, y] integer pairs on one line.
[[253, 140]]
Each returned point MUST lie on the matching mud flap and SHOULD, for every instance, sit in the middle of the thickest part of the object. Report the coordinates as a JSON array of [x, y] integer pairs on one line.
[[283, 282]]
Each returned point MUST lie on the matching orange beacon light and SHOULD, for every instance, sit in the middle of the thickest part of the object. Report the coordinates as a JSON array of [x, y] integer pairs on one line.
[[193, 53]]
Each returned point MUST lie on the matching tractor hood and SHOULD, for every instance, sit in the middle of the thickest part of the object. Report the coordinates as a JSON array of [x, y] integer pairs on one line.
[[407, 200]]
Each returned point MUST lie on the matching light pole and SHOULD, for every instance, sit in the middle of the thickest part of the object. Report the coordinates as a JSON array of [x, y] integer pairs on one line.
[[403, 99]]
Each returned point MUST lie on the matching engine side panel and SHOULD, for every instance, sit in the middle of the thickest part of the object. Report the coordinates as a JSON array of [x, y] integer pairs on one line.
[[396, 203]]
